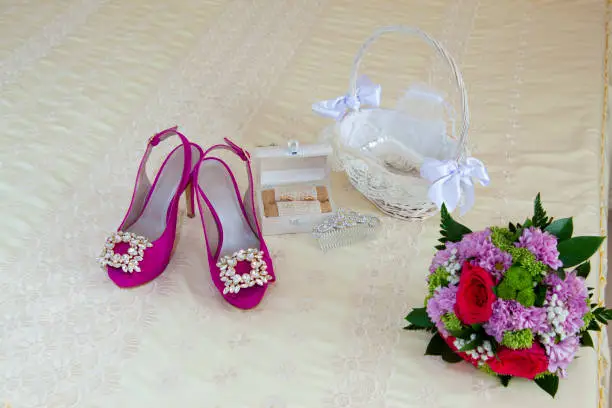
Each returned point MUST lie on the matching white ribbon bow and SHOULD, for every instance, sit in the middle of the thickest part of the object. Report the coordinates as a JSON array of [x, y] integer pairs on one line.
[[367, 94], [452, 183]]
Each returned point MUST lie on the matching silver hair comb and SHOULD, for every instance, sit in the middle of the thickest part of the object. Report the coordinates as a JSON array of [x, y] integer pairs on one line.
[[344, 228]]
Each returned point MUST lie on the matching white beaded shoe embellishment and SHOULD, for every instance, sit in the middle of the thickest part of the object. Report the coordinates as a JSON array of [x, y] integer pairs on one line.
[[126, 262], [235, 281]]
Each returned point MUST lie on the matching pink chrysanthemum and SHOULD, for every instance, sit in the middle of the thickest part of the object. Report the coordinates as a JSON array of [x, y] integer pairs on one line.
[[542, 244], [509, 315], [569, 294], [443, 256], [442, 302], [561, 354], [478, 245]]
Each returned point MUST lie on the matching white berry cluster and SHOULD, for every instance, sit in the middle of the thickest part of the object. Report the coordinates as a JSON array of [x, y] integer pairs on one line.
[[481, 353], [453, 267], [556, 315]]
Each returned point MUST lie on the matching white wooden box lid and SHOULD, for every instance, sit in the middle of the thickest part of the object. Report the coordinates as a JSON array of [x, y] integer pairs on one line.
[[292, 164]]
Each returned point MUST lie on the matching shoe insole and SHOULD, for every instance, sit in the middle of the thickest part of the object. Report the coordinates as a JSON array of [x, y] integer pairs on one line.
[[152, 222], [216, 183]]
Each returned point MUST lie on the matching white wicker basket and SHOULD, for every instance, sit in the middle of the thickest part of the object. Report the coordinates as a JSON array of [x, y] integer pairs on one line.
[[382, 150]]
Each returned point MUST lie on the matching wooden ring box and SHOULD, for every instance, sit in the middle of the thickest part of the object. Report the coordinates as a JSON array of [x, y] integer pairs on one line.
[[292, 187]]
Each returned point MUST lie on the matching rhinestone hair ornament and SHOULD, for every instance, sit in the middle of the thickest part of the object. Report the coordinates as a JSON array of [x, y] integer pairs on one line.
[[345, 228]]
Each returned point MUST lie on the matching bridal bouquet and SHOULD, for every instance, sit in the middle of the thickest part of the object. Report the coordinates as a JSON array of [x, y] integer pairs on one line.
[[511, 301]]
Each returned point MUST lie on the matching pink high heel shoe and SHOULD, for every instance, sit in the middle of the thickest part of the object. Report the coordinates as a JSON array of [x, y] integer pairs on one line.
[[239, 261], [144, 242]]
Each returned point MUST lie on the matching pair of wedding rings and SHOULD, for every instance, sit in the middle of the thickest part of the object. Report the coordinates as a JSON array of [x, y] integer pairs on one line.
[[292, 198]]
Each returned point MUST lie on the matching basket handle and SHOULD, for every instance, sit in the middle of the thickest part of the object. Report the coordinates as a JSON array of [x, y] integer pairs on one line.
[[462, 148]]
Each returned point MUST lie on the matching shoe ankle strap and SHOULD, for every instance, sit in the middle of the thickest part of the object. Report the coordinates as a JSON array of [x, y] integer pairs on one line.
[[164, 134], [160, 137], [232, 147], [246, 158], [143, 187]]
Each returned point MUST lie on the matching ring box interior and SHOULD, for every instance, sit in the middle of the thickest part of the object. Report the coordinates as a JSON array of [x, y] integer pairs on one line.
[[292, 187]]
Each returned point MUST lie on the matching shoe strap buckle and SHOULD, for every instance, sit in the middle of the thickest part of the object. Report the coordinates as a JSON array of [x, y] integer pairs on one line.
[[240, 151]]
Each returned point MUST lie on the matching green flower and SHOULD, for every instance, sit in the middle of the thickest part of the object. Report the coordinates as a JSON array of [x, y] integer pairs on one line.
[[486, 369], [517, 285], [520, 339], [518, 278], [526, 259], [520, 255], [526, 297], [502, 238], [505, 291], [587, 320], [452, 322], [437, 279]]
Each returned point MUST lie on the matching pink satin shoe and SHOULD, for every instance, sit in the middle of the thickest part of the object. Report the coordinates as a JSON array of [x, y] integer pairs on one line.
[[239, 261], [144, 242]]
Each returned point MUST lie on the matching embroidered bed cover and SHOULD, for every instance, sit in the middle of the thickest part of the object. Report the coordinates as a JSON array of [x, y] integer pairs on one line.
[[84, 83]]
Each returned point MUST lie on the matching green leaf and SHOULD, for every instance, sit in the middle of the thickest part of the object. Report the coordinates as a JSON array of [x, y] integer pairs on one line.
[[419, 318], [584, 269], [450, 356], [511, 227], [598, 313], [494, 344], [440, 247], [576, 250], [461, 334], [593, 326], [450, 229], [601, 319], [549, 383], [561, 273], [412, 327], [540, 219], [602, 315], [586, 340], [561, 228], [471, 345], [505, 379], [540, 295], [436, 346]]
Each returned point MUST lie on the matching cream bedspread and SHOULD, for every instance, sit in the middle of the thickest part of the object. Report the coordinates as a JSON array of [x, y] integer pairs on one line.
[[84, 83]]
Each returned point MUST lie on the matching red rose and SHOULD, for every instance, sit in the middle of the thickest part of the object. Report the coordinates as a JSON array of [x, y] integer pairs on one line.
[[474, 295], [520, 363], [525, 363]]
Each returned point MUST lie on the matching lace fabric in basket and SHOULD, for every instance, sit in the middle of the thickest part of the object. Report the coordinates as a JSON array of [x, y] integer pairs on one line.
[[385, 151]]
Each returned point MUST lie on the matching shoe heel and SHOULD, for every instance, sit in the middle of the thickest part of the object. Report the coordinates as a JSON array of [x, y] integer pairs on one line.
[[177, 236], [189, 199]]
